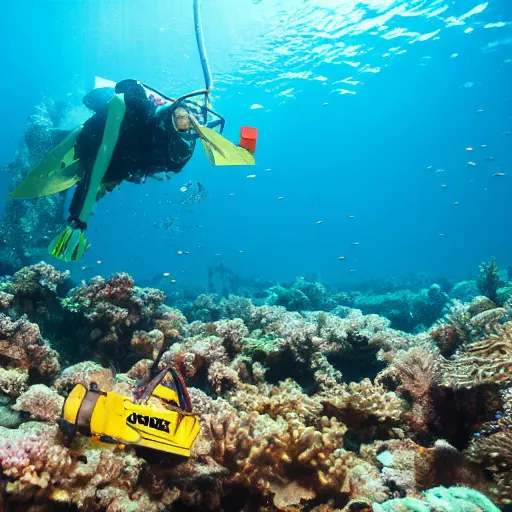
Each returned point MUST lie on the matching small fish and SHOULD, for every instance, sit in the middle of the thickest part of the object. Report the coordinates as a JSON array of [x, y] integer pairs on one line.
[[268, 170], [438, 171], [444, 185], [469, 149], [186, 252], [483, 146], [179, 253], [472, 163], [441, 234], [490, 159], [342, 258], [356, 243], [231, 195], [85, 268], [479, 111], [99, 262], [429, 167], [325, 104], [455, 203], [352, 270], [166, 274], [280, 198], [183, 189], [240, 252], [251, 176], [256, 106], [319, 222], [200, 226], [173, 281], [507, 134], [351, 216], [497, 174]]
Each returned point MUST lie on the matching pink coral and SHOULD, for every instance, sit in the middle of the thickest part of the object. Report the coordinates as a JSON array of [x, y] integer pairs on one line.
[[417, 371], [42, 402], [34, 459], [22, 347]]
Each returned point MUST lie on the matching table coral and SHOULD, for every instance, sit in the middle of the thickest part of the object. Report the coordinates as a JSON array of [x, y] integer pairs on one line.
[[482, 362]]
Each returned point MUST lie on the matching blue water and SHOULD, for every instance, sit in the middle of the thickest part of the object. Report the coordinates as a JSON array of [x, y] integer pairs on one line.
[[362, 101]]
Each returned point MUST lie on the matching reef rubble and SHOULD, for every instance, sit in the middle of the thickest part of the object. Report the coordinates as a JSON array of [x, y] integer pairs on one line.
[[300, 410]]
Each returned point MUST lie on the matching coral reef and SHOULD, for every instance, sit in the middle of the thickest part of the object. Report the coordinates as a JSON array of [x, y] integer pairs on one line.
[[35, 290], [300, 410], [120, 321], [23, 348]]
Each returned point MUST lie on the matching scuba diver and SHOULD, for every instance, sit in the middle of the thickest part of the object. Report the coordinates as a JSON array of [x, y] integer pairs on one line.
[[134, 133]]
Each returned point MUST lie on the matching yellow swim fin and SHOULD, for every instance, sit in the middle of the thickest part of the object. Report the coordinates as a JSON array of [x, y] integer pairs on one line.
[[70, 245], [57, 171], [220, 151]]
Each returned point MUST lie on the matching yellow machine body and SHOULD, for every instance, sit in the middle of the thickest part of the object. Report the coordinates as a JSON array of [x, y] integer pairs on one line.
[[114, 418]]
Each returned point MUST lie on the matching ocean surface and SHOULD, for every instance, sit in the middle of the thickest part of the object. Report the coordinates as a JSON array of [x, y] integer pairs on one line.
[[382, 126]]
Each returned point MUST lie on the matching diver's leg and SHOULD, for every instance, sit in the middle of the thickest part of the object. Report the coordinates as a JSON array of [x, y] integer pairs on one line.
[[116, 112], [71, 244]]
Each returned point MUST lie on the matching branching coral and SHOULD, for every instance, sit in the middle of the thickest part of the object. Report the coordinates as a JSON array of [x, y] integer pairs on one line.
[[288, 397], [417, 373], [368, 410], [363, 400]]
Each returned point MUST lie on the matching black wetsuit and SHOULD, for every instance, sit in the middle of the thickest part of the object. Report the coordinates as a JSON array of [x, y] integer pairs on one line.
[[148, 142]]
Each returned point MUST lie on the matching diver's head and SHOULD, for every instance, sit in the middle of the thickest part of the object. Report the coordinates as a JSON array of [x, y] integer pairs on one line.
[[181, 119]]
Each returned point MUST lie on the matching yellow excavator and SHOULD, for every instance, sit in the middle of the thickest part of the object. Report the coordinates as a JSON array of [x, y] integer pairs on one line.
[[112, 418]]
